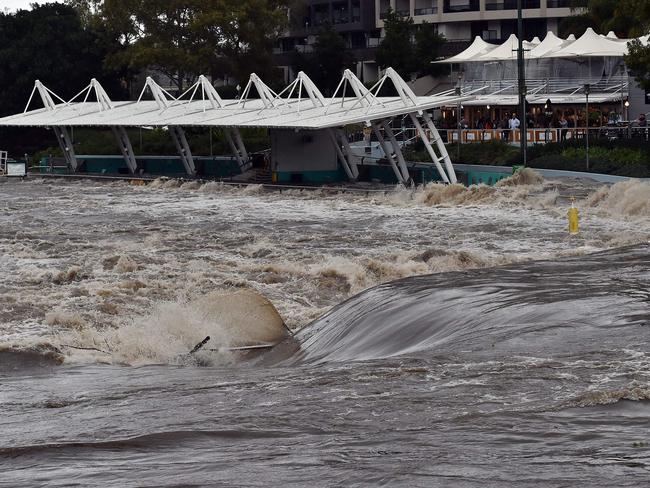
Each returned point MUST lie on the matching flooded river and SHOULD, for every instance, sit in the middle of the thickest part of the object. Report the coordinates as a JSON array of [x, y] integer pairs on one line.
[[442, 336]]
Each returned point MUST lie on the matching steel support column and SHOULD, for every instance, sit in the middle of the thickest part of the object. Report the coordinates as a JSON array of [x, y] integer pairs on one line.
[[126, 147], [242, 149], [441, 147], [388, 153], [65, 142], [348, 153], [436, 160], [233, 147], [398, 152], [341, 156], [183, 148]]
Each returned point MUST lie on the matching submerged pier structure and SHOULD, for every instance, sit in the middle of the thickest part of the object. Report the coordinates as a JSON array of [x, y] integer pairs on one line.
[[306, 129]]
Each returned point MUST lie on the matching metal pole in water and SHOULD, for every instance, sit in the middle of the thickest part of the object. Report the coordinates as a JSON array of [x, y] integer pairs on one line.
[[574, 218]]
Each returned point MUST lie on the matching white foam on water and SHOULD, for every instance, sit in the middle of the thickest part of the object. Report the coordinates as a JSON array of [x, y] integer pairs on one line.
[[122, 264]]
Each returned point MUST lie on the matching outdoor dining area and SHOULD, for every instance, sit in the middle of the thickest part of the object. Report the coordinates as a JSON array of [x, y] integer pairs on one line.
[[574, 86]]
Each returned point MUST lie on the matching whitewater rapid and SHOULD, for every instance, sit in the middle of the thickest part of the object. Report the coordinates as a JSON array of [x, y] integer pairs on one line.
[[107, 266], [442, 336]]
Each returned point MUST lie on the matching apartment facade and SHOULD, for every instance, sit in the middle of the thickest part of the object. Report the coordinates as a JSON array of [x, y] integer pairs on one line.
[[354, 20], [361, 23], [493, 20]]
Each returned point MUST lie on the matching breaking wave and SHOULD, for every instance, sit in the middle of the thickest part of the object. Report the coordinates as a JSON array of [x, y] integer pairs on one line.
[[485, 311], [172, 329], [608, 397], [629, 198]]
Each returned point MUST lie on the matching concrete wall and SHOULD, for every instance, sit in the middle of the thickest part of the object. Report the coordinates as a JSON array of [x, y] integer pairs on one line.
[[305, 150]]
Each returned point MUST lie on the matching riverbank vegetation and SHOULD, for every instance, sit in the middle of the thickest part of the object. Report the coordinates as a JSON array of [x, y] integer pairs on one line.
[[630, 157]]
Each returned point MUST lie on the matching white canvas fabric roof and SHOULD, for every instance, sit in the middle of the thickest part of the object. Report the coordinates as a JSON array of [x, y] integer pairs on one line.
[[506, 51], [307, 109], [550, 44], [477, 48], [297, 114], [556, 99], [591, 44]]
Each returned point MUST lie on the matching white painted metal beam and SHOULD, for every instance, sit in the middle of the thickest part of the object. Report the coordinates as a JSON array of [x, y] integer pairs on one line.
[[436, 160], [183, 148], [442, 149], [398, 152], [341, 156], [125, 147], [388, 153], [348, 153]]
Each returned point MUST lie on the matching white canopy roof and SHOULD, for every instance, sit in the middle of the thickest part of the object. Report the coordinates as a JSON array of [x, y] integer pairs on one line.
[[477, 48], [550, 44], [539, 99], [591, 44], [507, 50], [302, 106]]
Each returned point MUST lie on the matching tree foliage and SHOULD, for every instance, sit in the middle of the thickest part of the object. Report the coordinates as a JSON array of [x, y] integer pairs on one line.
[[638, 61], [409, 48], [428, 45], [396, 49], [624, 17], [328, 61], [49, 43], [627, 18], [183, 38]]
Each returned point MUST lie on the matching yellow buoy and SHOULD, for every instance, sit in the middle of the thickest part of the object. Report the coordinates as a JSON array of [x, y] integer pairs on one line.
[[574, 218]]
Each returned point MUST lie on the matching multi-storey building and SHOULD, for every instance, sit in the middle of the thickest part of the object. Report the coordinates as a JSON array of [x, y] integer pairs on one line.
[[460, 21], [355, 20], [493, 20]]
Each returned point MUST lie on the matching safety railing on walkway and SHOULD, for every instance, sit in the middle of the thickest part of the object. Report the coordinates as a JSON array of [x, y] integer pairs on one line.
[[544, 135]]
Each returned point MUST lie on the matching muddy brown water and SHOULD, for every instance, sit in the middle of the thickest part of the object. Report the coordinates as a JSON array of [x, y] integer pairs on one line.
[[471, 343]]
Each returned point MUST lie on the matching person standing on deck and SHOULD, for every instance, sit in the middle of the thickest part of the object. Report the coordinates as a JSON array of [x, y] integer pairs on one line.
[[514, 124]]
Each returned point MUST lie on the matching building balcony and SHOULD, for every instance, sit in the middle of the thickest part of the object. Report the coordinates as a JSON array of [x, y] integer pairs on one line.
[[456, 6], [510, 4], [559, 3], [426, 11]]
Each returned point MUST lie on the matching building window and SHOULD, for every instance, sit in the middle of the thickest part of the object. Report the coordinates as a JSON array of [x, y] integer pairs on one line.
[[425, 7], [356, 10], [321, 14], [452, 6], [561, 3], [384, 5], [340, 13], [510, 4]]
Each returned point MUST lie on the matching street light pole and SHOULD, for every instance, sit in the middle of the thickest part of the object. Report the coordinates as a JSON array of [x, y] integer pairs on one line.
[[522, 82], [587, 91], [459, 92]]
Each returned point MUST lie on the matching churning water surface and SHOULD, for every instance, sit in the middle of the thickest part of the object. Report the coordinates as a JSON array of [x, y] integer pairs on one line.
[[496, 350]]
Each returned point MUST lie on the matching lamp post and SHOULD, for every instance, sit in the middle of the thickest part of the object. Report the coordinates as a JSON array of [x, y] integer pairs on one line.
[[458, 109], [522, 82], [587, 91]]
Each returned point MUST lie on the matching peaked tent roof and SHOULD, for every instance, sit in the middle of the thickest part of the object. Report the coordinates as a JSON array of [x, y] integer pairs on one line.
[[591, 44], [550, 44], [478, 48], [507, 50]]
